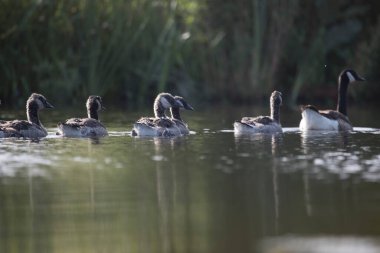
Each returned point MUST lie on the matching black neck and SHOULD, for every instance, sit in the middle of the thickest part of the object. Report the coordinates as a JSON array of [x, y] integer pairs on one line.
[[342, 96], [32, 113], [275, 112], [92, 113], [159, 110], [175, 113]]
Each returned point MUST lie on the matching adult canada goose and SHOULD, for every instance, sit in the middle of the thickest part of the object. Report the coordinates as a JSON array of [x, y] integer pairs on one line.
[[176, 117], [331, 120], [31, 128], [160, 125], [85, 127], [263, 124]]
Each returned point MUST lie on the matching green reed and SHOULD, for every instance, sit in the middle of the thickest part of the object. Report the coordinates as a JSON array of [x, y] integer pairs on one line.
[[127, 51]]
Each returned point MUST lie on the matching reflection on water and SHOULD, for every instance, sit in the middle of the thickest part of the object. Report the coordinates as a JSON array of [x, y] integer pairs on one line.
[[211, 191], [319, 245], [340, 154]]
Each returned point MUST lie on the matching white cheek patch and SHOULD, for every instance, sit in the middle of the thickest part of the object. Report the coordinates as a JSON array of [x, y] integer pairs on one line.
[[99, 105], [40, 104], [165, 103], [350, 77]]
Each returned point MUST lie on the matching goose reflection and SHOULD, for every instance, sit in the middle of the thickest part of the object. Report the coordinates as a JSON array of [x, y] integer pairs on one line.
[[94, 140], [162, 144], [316, 145], [167, 187], [276, 141], [320, 140], [331, 153], [266, 144]]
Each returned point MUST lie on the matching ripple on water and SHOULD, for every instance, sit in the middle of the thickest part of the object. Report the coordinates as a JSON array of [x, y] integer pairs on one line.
[[159, 158], [321, 244], [367, 130], [343, 165], [243, 155], [341, 154], [12, 165]]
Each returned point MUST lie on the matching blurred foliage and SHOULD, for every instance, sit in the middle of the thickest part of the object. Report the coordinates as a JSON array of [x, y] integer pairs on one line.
[[209, 50]]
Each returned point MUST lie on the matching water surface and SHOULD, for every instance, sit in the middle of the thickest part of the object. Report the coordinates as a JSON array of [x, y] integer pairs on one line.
[[211, 191]]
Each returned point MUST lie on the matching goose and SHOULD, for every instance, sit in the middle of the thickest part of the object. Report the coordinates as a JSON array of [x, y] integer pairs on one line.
[[160, 125], [31, 128], [331, 120], [176, 117], [85, 127], [263, 124]]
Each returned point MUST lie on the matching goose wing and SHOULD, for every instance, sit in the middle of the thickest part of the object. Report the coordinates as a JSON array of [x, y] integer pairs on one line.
[[83, 122], [12, 128], [343, 121], [17, 125], [156, 122], [22, 128], [179, 122], [260, 120]]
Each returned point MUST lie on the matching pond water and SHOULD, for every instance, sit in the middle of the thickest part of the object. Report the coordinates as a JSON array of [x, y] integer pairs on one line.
[[211, 191]]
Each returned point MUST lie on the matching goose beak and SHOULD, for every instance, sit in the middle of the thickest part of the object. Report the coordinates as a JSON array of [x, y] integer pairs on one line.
[[178, 104], [361, 79], [189, 107], [48, 105]]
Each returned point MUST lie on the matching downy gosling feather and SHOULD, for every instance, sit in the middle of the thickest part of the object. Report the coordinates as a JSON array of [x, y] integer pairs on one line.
[[85, 127], [331, 120], [31, 128], [263, 124]]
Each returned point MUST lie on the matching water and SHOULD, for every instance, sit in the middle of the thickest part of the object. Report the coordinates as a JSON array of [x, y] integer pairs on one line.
[[211, 191]]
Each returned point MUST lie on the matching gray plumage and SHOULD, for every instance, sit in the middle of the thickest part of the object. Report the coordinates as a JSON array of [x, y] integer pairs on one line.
[[263, 124], [160, 125], [31, 128], [85, 127]]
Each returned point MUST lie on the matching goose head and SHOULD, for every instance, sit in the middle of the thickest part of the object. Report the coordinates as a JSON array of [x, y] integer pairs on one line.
[[276, 98], [346, 77], [167, 100], [38, 101], [183, 103], [350, 76], [35, 103], [163, 102], [94, 103]]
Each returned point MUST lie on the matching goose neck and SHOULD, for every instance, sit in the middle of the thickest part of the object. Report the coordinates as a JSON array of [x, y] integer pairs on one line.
[[92, 113], [275, 111], [159, 110], [32, 113], [342, 97], [175, 113]]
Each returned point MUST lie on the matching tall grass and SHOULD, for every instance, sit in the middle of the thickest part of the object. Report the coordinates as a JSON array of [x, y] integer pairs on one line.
[[229, 50], [69, 49]]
